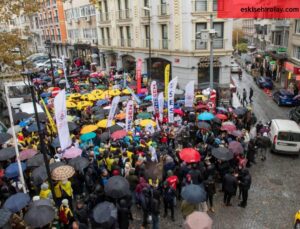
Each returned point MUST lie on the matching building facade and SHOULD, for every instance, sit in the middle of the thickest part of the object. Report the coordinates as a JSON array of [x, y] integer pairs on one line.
[[172, 27]]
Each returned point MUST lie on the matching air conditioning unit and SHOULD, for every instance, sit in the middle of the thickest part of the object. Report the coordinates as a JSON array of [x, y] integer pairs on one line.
[[88, 18]]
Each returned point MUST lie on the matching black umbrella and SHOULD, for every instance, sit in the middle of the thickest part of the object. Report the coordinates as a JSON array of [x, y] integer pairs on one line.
[[42, 117], [86, 72], [79, 163], [98, 117], [41, 202], [188, 108], [94, 80], [104, 136], [34, 128], [55, 143], [204, 125], [114, 128], [193, 194], [4, 137], [39, 175], [73, 75], [116, 187], [217, 120], [39, 216], [72, 126], [240, 111], [4, 216], [222, 153], [96, 108], [105, 214], [7, 153], [20, 116], [36, 160]]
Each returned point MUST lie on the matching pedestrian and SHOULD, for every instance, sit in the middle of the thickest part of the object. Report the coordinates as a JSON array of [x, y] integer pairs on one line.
[[251, 152], [81, 212], [45, 192], [169, 195], [123, 214], [263, 144], [244, 183], [210, 188], [250, 95], [65, 214], [244, 101], [229, 186], [155, 209]]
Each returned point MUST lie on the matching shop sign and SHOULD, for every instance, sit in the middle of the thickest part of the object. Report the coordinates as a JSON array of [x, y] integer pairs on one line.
[[289, 66], [281, 49], [272, 62], [204, 62]]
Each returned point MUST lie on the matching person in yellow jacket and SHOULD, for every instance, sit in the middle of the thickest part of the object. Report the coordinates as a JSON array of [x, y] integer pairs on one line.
[[65, 214], [66, 188], [45, 192]]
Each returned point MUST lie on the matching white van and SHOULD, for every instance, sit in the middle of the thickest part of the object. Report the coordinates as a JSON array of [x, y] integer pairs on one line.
[[285, 136], [29, 109]]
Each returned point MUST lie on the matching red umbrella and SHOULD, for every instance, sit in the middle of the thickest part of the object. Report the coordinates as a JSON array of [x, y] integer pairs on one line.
[[221, 116], [228, 128], [189, 155], [27, 153], [118, 134], [178, 111]]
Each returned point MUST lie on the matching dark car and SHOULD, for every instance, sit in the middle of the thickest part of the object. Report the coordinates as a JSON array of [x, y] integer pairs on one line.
[[294, 114], [264, 82], [285, 98]]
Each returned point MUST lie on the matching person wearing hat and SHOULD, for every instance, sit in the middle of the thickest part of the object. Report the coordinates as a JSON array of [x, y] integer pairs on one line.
[[65, 214], [45, 192]]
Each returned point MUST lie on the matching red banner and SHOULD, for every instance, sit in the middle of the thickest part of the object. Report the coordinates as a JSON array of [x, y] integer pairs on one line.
[[258, 9], [139, 75]]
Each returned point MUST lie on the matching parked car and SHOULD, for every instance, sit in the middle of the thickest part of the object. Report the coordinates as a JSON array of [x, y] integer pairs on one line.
[[294, 114], [264, 82], [235, 68], [48, 62], [285, 98]]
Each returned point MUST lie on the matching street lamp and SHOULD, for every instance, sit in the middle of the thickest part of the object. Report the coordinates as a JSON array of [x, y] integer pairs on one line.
[[150, 61], [48, 45]]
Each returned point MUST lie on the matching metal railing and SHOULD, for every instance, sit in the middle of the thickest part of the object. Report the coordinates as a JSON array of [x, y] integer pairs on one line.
[[199, 44], [163, 9], [199, 6], [164, 44], [218, 43], [124, 14]]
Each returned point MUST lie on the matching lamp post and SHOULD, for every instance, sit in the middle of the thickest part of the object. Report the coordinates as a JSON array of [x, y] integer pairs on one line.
[[48, 45], [211, 67], [150, 61]]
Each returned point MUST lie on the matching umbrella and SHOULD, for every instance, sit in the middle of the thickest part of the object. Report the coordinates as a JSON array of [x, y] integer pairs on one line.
[[204, 125], [189, 155], [83, 104], [75, 96], [5, 215], [105, 214], [97, 92], [198, 220], [72, 126], [103, 123], [104, 136], [144, 115], [147, 122], [126, 92], [148, 98], [236, 133], [45, 94], [79, 163], [94, 80], [39, 216], [34, 128], [63, 172], [87, 136], [116, 187], [4, 137], [217, 120], [20, 116], [178, 111], [228, 127], [205, 116], [88, 129], [72, 152], [36, 160], [7, 153], [222, 109], [115, 128], [118, 134], [101, 102], [13, 170], [193, 194], [115, 92], [120, 116], [17, 202], [27, 153], [235, 147], [202, 107], [222, 153], [221, 116], [17, 129], [71, 104], [240, 111], [188, 108], [55, 143], [39, 175], [41, 202]]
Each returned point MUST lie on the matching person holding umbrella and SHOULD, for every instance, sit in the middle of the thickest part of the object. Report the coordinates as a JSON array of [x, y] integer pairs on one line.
[[229, 186]]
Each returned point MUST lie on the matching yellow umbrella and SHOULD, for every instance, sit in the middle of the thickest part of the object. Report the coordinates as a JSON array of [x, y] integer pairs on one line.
[[85, 97], [146, 122], [105, 95], [103, 123], [126, 92], [92, 97], [120, 116], [75, 95], [88, 129], [97, 92], [115, 92], [203, 97], [83, 104], [71, 104]]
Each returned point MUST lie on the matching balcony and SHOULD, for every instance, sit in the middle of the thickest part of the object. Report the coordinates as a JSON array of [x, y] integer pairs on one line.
[[123, 14], [164, 44], [126, 43], [163, 10], [218, 43], [199, 44], [199, 6], [56, 19], [103, 17]]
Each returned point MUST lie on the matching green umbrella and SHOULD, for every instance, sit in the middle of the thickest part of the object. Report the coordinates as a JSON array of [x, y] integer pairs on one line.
[[87, 136], [144, 115], [101, 86]]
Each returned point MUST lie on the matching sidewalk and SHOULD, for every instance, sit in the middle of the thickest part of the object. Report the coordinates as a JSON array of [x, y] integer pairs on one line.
[[235, 100]]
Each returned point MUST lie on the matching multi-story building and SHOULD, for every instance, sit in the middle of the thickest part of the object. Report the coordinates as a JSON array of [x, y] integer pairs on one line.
[[81, 30], [52, 23], [36, 34], [172, 27], [248, 30]]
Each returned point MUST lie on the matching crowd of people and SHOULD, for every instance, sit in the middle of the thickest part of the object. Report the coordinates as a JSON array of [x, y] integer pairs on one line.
[[151, 159]]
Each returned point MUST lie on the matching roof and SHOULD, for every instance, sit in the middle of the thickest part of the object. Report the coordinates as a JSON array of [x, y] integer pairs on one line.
[[287, 125]]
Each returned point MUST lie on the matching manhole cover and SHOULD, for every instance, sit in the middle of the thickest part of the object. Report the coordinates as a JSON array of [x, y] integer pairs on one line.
[[276, 181]]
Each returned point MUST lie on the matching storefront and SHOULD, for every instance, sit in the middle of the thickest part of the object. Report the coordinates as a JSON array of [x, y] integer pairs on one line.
[[292, 75], [204, 70]]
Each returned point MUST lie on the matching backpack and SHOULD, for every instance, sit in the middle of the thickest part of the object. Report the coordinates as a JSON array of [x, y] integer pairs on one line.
[[62, 214]]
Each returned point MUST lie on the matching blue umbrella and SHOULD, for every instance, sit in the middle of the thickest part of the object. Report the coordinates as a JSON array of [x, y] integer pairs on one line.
[[101, 102], [205, 116], [13, 170], [33, 127], [148, 98], [17, 202], [45, 94], [223, 109], [87, 136], [193, 194]]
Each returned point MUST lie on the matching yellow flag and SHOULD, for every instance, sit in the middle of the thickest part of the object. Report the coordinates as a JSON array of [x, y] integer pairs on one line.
[[50, 119], [167, 79]]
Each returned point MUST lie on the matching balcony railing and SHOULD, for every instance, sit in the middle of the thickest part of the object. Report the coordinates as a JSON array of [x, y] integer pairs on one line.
[[199, 44], [164, 44], [56, 19], [163, 9], [125, 43], [104, 16], [199, 6], [124, 14], [218, 43]]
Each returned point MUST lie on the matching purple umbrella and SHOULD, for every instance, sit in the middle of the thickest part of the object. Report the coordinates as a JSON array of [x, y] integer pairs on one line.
[[235, 147], [72, 153], [236, 133]]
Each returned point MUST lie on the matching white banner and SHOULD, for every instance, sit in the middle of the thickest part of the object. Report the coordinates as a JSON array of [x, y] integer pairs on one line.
[[171, 95], [189, 94], [114, 105], [129, 115], [60, 110], [161, 102], [136, 98], [154, 97], [65, 71]]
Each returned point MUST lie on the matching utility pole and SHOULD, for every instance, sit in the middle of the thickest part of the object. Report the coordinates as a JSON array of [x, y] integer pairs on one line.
[[211, 70]]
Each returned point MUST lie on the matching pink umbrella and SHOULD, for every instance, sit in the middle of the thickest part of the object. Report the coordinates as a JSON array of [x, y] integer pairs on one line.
[[228, 128], [178, 111], [237, 133], [235, 147], [27, 153], [118, 134], [198, 220], [72, 153]]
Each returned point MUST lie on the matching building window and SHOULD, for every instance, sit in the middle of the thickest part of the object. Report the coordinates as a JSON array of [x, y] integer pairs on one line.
[[199, 44], [82, 12], [92, 10], [200, 5], [108, 35], [215, 5], [122, 37], [58, 34], [164, 35], [297, 52], [297, 26], [219, 38], [163, 7], [128, 33], [147, 35], [102, 36]]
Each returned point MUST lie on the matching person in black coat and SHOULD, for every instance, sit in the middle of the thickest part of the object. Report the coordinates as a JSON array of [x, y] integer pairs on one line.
[[245, 184], [230, 183], [251, 153], [81, 212], [210, 188], [123, 214], [155, 209]]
